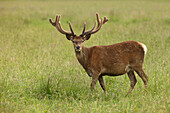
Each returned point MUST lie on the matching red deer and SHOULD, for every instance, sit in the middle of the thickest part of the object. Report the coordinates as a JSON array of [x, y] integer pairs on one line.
[[111, 60]]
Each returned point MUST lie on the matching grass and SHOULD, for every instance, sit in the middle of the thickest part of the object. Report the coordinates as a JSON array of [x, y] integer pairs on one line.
[[40, 73]]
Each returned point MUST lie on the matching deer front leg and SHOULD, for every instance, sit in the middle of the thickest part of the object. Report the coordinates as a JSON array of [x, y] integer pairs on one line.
[[101, 81], [94, 80]]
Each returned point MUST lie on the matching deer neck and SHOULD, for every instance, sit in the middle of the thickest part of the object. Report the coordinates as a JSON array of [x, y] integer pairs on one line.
[[82, 57]]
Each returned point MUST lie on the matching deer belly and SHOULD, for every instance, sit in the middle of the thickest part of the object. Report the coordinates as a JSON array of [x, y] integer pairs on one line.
[[116, 70]]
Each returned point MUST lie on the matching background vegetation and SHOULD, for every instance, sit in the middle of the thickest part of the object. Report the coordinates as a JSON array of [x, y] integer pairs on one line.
[[40, 73]]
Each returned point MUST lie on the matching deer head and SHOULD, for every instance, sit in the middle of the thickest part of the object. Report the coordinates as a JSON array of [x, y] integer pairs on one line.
[[78, 40]]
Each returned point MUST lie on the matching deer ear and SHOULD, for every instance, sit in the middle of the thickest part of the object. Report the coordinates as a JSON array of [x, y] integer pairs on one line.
[[69, 37], [87, 37]]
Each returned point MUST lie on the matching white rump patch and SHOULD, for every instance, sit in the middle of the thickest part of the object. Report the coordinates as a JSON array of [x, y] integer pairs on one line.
[[144, 47]]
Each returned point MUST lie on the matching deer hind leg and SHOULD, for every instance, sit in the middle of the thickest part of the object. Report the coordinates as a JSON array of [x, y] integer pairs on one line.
[[101, 81], [133, 80], [143, 76]]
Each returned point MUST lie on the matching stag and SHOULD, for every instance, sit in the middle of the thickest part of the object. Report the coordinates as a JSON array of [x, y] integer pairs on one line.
[[111, 60]]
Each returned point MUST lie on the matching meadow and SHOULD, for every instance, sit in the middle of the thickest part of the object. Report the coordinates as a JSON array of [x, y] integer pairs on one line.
[[39, 71]]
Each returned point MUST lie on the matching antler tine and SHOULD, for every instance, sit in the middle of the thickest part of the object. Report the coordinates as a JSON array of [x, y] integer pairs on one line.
[[53, 23], [59, 28], [84, 28], [105, 19], [97, 16], [71, 28], [57, 20], [88, 32], [98, 27], [100, 23]]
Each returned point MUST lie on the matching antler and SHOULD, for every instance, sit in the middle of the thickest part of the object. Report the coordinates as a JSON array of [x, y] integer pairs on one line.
[[92, 31], [59, 28]]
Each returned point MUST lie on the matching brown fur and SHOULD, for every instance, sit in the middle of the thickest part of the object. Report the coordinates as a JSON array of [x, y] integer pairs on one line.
[[111, 60]]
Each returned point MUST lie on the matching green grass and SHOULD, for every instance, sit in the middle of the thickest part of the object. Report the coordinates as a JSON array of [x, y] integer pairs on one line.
[[40, 73]]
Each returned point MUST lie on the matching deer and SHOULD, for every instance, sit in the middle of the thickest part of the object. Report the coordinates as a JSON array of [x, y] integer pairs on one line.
[[111, 60]]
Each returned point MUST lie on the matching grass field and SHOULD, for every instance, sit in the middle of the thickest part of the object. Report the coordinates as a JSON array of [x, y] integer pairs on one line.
[[40, 73]]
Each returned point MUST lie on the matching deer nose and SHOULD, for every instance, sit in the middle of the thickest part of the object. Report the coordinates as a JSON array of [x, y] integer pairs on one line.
[[77, 47]]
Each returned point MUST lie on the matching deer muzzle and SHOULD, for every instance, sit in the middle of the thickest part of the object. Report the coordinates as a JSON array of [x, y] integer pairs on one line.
[[77, 48]]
